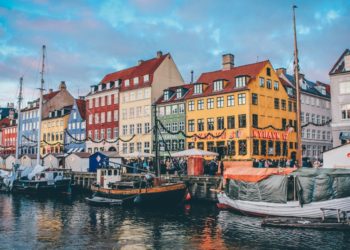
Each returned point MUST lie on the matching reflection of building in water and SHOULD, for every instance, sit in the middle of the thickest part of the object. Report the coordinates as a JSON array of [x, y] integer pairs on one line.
[[211, 236], [49, 227]]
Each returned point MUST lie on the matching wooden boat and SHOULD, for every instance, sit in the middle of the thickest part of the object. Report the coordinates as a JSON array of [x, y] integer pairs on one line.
[[146, 191], [293, 222], [266, 192], [100, 201]]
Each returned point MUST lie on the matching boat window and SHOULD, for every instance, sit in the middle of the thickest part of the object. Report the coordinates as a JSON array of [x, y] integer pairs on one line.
[[115, 172], [109, 172], [102, 172]]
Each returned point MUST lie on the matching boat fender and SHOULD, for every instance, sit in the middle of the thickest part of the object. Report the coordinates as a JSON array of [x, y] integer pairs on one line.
[[188, 196], [37, 186]]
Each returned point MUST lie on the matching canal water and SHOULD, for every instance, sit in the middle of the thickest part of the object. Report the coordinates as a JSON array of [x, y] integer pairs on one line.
[[70, 223]]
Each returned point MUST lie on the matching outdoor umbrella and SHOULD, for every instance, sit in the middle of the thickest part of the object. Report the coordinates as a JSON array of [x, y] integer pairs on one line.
[[193, 152]]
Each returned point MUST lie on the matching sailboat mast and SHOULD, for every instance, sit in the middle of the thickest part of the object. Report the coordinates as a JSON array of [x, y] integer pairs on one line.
[[40, 106], [156, 139], [20, 98], [297, 87]]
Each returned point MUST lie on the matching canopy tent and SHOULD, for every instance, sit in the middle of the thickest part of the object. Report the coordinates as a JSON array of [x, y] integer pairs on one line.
[[255, 174], [136, 155], [194, 152]]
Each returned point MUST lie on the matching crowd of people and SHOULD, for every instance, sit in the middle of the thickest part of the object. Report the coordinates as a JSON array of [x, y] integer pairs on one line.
[[285, 163]]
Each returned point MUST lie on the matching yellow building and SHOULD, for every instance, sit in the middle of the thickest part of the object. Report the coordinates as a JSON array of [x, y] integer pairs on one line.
[[242, 113], [52, 131]]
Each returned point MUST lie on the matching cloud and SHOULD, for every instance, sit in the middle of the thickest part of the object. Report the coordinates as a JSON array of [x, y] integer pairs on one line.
[[332, 15]]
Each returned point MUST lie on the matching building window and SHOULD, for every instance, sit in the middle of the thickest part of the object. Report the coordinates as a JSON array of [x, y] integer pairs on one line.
[[218, 85], [277, 103], [173, 109], [125, 148], [255, 147], [210, 103], [345, 112], [139, 128], [262, 82], [268, 71], [200, 125], [290, 106], [147, 127], [198, 88], [221, 123], [102, 134], [191, 126], [344, 88], [210, 146], [146, 78], [181, 144], [97, 119], [174, 145], [275, 85], [220, 102], [116, 116], [242, 144], [166, 95], [230, 122], [190, 145], [240, 82], [174, 127], [96, 135], [254, 99], [241, 99], [200, 145], [109, 134], [283, 104], [131, 147], [178, 93], [182, 126], [200, 104], [210, 123], [132, 129], [231, 148], [242, 121], [230, 101], [125, 129], [136, 80], [255, 121], [181, 108], [127, 82], [190, 105], [268, 84]]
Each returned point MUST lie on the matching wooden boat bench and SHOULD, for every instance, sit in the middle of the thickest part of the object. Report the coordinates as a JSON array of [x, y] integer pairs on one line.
[[339, 212]]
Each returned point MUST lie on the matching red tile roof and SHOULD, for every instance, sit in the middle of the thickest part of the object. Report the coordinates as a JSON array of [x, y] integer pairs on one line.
[[144, 68], [81, 104], [49, 96], [250, 70]]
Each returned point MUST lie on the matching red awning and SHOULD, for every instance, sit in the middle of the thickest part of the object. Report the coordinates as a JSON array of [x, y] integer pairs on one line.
[[254, 174]]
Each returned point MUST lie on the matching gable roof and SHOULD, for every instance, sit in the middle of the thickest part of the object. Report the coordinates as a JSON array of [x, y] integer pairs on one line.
[[147, 67], [339, 66], [208, 78], [81, 105]]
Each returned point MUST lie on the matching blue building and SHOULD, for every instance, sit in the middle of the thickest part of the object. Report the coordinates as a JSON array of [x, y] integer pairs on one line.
[[76, 128], [29, 124], [103, 159]]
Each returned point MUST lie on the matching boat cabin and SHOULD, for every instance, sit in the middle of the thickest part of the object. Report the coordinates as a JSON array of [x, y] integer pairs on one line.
[[108, 176]]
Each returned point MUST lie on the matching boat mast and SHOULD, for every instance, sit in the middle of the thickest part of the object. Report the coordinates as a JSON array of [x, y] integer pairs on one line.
[[20, 98], [40, 106], [155, 131], [297, 87]]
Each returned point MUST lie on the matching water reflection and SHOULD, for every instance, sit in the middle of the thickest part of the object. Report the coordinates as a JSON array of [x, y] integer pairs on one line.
[[27, 223]]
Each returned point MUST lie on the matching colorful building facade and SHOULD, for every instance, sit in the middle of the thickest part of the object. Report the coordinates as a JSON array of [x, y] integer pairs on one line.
[[242, 113], [9, 138], [76, 131], [171, 112], [53, 130]]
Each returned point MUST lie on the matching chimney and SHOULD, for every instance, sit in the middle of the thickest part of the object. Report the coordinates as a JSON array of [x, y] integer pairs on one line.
[[50, 90], [62, 85], [141, 61], [281, 71], [159, 54], [191, 76], [347, 62], [227, 61]]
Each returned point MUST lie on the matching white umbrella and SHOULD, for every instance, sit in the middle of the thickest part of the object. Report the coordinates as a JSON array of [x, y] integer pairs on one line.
[[194, 152], [138, 155]]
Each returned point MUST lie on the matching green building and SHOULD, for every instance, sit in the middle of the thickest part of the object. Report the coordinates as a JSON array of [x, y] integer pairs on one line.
[[171, 110]]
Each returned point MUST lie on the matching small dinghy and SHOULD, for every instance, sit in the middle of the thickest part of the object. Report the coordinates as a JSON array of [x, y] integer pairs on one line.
[[101, 201]]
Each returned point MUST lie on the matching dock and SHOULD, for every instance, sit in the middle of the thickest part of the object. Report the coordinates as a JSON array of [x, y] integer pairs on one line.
[[202, 188]]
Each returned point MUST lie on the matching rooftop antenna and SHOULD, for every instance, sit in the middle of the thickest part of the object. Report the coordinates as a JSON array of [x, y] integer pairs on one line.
[[191, 76]]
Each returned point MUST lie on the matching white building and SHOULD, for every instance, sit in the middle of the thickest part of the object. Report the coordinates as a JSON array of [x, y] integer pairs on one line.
[[78, 162], [28, 160], [10, 161], [340, 91]]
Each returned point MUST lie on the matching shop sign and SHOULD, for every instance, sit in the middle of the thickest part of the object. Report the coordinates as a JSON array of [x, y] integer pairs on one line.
[[226, 135], [271, 135]]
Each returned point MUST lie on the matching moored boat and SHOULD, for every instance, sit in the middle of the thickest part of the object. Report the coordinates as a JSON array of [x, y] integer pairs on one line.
[[286, 192]]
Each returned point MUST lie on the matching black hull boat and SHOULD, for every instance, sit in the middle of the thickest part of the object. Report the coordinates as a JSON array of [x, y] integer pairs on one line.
[[42, 187]]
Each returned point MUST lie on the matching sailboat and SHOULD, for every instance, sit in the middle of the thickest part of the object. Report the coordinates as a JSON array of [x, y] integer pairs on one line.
[[287, 192], [37, 180], [148, 190]]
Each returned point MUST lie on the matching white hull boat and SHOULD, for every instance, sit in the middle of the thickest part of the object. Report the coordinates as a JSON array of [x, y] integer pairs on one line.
[[289, 209]]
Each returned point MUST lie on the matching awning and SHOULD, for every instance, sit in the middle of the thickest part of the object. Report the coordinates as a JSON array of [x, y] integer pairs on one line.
[[250, 174], [344, 136]]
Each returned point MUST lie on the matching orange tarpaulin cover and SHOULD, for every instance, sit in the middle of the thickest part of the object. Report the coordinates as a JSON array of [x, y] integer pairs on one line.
[[254, 174]]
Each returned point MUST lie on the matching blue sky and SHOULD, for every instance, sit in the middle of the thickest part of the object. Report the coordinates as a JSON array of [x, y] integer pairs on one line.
[[87, 39]]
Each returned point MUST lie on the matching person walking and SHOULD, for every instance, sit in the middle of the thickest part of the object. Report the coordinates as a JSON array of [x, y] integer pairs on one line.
[[222, 168]]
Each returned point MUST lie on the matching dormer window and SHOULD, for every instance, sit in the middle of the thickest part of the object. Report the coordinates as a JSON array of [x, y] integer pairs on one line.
[[50, 115], [146, 78], [108, 85], [56, 113], [127, 83], [241, 81], [290, 91], [136, 80], [100, 87], [166, 95], [178, 93], [218, 85], [198, 88]]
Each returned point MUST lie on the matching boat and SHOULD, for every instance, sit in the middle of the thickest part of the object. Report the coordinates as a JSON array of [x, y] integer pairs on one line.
[[286, 192], [148, 190], [101, 201]]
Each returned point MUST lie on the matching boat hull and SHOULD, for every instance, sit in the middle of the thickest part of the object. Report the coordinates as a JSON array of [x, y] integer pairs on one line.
[[289, 209], [41, 187], [165, 195]]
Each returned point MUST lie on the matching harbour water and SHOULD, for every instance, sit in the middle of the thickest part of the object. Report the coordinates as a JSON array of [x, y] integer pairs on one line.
[[70, 223]]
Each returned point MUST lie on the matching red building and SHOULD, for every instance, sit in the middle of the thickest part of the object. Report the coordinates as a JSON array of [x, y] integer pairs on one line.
[[102, 116], [8, 138]]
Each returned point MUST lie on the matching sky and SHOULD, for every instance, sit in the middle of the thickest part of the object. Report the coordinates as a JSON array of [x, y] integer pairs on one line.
[[86, 40]]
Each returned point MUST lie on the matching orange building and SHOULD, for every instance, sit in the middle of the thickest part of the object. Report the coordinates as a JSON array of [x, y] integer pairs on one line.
[[245, 109]]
